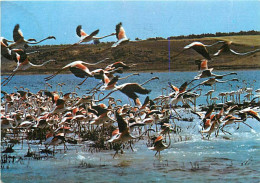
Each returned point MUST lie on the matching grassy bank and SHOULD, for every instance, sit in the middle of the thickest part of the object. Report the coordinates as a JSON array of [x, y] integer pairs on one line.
[[150, 55]]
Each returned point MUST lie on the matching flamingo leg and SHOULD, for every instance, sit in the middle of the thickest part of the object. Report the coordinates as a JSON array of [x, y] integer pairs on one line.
[[8, 79], [131, 146], [52, 76], [156, 153], [83, 81], [247, 125], [115, 154]]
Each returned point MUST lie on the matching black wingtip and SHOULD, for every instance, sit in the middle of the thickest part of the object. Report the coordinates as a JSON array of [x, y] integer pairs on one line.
[[79, 27], [17, 26]]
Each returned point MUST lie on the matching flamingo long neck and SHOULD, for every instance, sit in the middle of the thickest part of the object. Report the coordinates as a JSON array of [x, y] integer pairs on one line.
[[127, 76], [44, 63], [214, 44], [96, 62], [39, 41], [147, 81], [94, 37], [16, 123], [107, 95], [150, 129]]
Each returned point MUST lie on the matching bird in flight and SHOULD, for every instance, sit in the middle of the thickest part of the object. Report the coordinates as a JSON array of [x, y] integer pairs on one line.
[[226, 48], [20, 42], [120, 35], [23, 63], [86, 38]]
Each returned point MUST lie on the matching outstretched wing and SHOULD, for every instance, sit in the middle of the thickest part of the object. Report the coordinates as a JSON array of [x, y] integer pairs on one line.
[[134, 87], [122, 125], [121, 41], [17, 33], [80, 32]]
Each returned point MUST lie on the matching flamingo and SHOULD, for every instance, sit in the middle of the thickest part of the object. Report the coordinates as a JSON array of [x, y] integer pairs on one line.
[[159, 145], [250, 112], [202, 64], [226, 48], [5, 51], [7, 123], [212, 81], [118, 65], [130, 90], [23, 63], [230, 119], [60, 107], [122, 134], [110, 84], [208, 73], [78, 68], [55, 140], [20, 42], [198, 47], [86, 38], [120, 35]]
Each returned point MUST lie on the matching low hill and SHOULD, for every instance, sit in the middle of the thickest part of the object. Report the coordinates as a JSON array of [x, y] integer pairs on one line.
[[149, 55]]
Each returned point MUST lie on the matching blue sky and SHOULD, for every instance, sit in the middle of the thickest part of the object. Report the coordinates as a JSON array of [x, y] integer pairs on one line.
[[144, 19]]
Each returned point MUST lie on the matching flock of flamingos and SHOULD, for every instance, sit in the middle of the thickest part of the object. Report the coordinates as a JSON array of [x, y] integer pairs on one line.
[[55, 119]]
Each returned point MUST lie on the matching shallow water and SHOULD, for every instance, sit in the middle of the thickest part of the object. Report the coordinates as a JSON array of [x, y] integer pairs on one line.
[[36, 82], [229, 158], [196, 160]]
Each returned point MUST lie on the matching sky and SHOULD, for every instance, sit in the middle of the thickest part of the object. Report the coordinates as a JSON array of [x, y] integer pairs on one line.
[[142, 19]]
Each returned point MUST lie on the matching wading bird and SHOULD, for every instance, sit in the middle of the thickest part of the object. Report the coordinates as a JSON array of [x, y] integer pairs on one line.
[[23, 63], [208, 73], [199, 48], [120, 35], [78, 68], [86, 38], [226, 48], [122, 134], [20, 42], [130, 90], [202, 64], [159, 145]]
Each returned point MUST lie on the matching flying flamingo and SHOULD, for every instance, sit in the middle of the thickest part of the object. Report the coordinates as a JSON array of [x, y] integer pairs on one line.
[[20, 42], [198, 47], [130, 90], [208, 73], [120, 35], [7, 53], [250, 112], [23, 63], [202, 64], [118, 65], [86, 38], [226, 48], [212, 81], [110, 83], [78, 68], [123, 133], [159, 145]]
